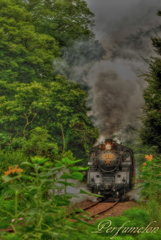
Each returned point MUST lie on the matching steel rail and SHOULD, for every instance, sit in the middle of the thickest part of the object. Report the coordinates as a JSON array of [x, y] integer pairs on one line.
[[105, 210]]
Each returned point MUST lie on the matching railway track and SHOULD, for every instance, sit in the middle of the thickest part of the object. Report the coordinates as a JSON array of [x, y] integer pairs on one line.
[[91, 205], [99, 208]]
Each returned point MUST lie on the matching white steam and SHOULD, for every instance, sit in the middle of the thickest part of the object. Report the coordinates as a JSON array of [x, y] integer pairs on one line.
[[134, 194]]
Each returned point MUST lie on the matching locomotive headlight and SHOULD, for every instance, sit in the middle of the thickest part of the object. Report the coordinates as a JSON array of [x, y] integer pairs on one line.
[[108, 146]]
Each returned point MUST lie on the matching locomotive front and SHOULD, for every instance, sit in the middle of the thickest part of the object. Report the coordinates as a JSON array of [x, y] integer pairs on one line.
[[111, 169]]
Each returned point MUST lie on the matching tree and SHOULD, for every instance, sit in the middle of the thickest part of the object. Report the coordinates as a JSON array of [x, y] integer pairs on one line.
[[33, 102], [26, 55], [151, 132], [58, 108], [64, 20]]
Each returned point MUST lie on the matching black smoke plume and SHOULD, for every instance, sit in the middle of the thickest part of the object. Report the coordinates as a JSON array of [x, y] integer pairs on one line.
[[110, 67]]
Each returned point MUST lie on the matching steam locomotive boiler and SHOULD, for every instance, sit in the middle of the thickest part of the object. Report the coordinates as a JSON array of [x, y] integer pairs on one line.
[[111, 170]]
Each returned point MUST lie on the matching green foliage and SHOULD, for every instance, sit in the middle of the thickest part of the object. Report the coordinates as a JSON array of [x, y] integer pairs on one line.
[[39, 143], [140, 150], [39, 113], [5, 206], [10, 158], [134, 217], [138, 215], [152, 236], [151, 179], [150, 186], [42, 217], [152, 120], [31, 98], [26, 55], [66, 21], [46, 218], [126, 237]]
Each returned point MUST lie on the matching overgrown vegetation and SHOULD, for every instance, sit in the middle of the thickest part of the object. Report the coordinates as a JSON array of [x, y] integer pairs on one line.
[[32, 206], [31, 203]]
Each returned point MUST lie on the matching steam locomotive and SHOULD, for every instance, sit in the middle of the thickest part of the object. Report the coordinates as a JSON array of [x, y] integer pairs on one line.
[[111, 170]]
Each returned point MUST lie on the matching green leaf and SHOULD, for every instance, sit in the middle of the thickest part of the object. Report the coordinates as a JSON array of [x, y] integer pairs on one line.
[[77, 175], [27, 177], [78, 168], [67, 184], [32, 187], [67, 161], [6, 178], [73, 175], [59, 164], [29, 164], [60, 201], [9, 179], [39, 160], [66, 176]]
